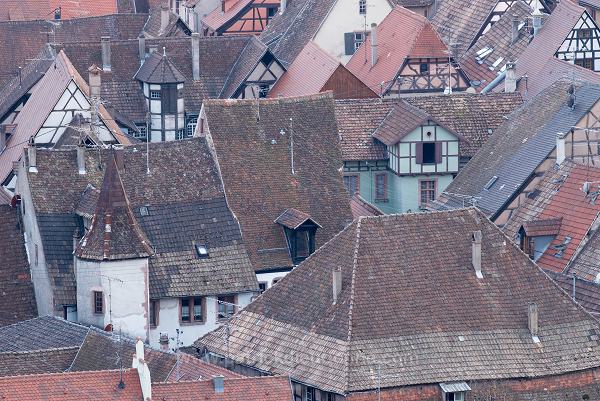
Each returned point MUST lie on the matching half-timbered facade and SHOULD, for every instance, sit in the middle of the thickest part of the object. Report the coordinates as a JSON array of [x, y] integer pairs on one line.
[[582, 45], [261, 79], [419, 63], [239, 17]]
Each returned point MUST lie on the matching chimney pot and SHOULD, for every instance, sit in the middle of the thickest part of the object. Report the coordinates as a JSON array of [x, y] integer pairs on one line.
[[196, 56], [373, 44], [105, 42], [560, 148], [337, 284], [533, 319], [282, 6], [476, 255], [219, 384]]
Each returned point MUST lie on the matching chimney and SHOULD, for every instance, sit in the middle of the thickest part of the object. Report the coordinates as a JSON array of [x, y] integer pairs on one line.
[[81, 158], [95, 81], [32, 156], [373, 44], [510, 79], [476, 256], [165, 16], [105, 41], [282, 6], [219, 384], [142, 48], [560, 148], [222, 6], [196, 56], [533, 320], [337, 285], [164, 342], [515, 28], [143, 372], [537, 21]]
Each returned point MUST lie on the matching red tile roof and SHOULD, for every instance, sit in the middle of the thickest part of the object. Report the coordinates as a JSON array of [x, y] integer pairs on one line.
[[26, 10], [402, 34], [78, 386], [268, 388], [361, 208]]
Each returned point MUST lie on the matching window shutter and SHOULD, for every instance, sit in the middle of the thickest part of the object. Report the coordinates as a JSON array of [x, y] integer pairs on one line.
[[419, 153], [349, 43], [438, 152]]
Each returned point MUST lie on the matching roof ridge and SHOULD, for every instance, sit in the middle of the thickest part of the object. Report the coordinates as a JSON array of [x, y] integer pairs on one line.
[[35, 351], [78, 373], [351, 301], [293, 99], [276, 376]]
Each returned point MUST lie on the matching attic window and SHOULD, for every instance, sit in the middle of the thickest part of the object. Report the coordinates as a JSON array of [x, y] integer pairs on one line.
[[201, 250], [300, 230]]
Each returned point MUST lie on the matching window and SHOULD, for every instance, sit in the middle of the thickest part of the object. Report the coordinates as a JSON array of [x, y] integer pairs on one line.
[[585, 63], [262, 286], [585, 33], [226, 306], [154, 308], [424, 69], [381, 186], [98, 302], [263, 90], [362, 7], [352, 183], [429, 152], [276, 280], [192, 310], [154, 94], [426, 191], [353, 40], [141, 133], [168, 98], [180, 134], [457, 396], [191, 126], [271, 12]]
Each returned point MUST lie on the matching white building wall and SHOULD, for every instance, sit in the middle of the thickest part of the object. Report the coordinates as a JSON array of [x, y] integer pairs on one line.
[[269, 277], [345, 17], [44, 295], [168, 320], [124, 284]]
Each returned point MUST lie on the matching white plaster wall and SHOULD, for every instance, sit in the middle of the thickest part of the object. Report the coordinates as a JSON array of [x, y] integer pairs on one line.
[[44, 295], [268, 277], [204, 7], [168, 320], [345, 17], [124, 284]]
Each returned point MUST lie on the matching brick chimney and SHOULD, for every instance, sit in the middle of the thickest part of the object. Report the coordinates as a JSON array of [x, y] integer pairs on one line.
[[219, 384], [165, 16], [515, 29], [476, 254], [533, 321], [510, 79], [373, 44], [561, 153], [196, 56], [336, 284], [105, 42]]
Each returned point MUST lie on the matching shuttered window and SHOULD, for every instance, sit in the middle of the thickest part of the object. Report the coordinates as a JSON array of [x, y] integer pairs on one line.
[[169, 98], [381, 187], [429, 152]]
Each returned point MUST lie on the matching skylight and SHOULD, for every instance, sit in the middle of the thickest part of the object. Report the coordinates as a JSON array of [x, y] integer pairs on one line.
[[201, 250]]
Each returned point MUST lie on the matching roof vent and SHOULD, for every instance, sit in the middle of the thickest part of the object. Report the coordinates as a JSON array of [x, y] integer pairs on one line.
[[533, 321], [476, 256], [219, 384], [491, 182]]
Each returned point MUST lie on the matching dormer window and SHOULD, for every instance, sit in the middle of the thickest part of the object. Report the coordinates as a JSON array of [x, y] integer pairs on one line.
[[201, 250], [536, 236], [300, 232]]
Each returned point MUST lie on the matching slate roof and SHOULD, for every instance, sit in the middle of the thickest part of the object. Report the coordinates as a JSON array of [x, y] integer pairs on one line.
[[499, 39], [54, 360], [225, 63], [158, 69], [585, 263], [23, 10], [475, 117], [17, 298], [402, 34], [28, 38], [77, 386], [257, 171], [390, 309], [587, 293], [181, 209], [41, 333], [101, 350], [269, 388], [288, 33], [174, 27], [559, 197], [518, 147]]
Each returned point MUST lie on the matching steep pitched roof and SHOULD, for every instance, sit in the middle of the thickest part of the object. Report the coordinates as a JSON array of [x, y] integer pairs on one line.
[[55, 360], [270, 388], [361, 208], [76, 386], [158, 69], [100, 349], [475, 117], [518, 147], [154, 27], [173, 210], [115, 233], [289, 32], [17, 299], [41, 333], [586, 293], [559, 196], [216, 19], [23, 10], [389, 308], [402, 34], [257, 171]]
